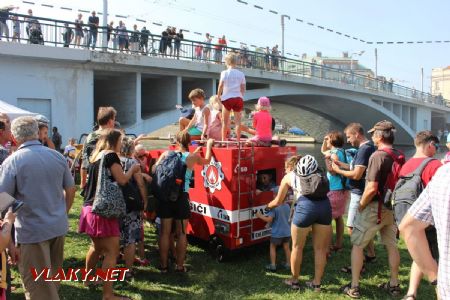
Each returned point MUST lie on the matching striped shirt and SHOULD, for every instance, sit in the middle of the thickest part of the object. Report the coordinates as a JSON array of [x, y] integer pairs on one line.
[[433, 207]]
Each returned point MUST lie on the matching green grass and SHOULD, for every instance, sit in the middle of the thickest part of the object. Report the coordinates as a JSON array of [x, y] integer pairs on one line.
[[242, 277]]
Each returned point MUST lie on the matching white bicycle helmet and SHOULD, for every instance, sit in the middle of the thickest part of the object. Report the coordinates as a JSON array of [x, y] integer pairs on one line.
[[42, 120], [307, 165]]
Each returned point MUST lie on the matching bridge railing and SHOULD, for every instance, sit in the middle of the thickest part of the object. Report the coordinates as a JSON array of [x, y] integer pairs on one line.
[[50, 32]]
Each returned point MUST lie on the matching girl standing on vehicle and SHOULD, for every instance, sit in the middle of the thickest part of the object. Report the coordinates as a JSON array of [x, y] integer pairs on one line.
[[231, 93]]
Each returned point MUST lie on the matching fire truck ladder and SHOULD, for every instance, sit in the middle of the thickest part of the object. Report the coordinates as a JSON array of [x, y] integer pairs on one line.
[[250, 194]]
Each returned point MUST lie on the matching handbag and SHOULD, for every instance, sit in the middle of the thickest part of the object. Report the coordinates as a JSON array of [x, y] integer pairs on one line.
[[109, 201]]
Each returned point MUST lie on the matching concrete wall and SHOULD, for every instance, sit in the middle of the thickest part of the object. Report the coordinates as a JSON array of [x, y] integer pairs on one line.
[[159, 94], [188, 84], [119, 91], [70, 91]]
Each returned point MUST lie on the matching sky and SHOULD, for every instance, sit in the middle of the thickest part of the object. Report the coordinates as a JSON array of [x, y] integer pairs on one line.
[[381, 20]]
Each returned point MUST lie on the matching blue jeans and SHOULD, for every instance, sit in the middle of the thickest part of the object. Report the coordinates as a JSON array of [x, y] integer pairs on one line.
[[93, 39]]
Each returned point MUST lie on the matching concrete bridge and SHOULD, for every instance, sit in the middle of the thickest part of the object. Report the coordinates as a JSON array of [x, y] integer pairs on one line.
[[68, 85]]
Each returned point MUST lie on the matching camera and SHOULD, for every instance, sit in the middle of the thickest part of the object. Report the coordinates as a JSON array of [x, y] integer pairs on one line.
[[7, 201]]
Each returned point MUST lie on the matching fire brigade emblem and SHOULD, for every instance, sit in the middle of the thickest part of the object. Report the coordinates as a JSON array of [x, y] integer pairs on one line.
[[213, 175]]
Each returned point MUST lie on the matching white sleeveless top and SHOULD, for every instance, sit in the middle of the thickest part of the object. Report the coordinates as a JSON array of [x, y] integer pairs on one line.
[[199, 117], [295, 185]]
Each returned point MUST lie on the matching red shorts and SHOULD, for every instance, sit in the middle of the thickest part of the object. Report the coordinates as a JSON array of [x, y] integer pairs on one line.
[[234, 104]]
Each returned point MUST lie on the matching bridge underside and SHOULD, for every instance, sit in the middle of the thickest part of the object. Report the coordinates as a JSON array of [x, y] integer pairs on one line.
[[337, 112]]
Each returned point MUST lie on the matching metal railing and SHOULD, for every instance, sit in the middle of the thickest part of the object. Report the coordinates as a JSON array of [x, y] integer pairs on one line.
[[58, 33]]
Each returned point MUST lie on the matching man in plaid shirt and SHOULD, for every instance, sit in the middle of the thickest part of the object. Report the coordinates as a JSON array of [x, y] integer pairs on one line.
[[432, 207]]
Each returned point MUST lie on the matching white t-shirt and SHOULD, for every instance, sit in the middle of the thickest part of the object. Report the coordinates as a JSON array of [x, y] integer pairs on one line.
[[232, 80]]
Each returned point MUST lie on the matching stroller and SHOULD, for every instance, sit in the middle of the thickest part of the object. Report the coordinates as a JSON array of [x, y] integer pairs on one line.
[[35, 34]]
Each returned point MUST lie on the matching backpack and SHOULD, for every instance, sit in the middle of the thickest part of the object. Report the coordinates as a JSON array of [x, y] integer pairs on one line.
[[407, 190], [168, 180], [314, 186], [130, 191], [384, 197]]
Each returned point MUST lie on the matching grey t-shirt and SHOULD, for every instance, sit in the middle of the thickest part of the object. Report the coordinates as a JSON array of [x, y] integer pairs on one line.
[[37, 176]]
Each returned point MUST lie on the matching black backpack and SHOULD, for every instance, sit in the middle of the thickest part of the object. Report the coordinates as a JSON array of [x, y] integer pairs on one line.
[[407, 190], [168, 180], [130, 191], [314, 186]]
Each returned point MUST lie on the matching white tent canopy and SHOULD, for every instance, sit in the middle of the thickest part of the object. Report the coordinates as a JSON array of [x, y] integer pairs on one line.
[[13, 111]]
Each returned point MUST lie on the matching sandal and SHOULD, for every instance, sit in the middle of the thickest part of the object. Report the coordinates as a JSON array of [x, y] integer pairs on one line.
[[163, 270], [392, 290], [315, 287], [271, 268], [352, 292], [181, 270], [348, 269], [292, 283], [409, 296]]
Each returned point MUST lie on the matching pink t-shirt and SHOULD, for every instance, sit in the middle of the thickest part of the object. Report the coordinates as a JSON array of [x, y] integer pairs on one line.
[[262, 122]]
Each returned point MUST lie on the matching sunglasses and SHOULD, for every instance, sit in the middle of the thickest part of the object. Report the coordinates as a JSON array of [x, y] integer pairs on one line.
[[435, 145], [141, 156]]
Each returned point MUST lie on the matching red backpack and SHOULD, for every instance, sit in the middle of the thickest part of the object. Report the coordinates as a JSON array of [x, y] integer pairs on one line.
[[384, 197]]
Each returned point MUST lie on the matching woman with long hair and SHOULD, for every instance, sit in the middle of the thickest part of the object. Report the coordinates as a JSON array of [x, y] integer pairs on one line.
[[177, 213], [104, 232]]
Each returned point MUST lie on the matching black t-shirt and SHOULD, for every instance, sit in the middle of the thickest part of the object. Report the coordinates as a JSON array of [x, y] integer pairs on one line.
[[361, 159], [92, 21], [91, 185]]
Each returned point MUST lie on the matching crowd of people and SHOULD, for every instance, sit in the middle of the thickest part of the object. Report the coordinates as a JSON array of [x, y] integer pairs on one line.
[[116, 173]]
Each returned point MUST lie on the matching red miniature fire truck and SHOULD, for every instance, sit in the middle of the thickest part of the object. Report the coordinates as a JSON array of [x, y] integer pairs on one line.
[[223, 198]]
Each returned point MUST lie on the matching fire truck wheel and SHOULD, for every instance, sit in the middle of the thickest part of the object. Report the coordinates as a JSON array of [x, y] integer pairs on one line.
[[217, 248], [220, 253]]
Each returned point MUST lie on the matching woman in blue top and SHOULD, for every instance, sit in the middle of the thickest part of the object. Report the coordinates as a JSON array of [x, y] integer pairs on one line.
[[179, 210], [338, 195]]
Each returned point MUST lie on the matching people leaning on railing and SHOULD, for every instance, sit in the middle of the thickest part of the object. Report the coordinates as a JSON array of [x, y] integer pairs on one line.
[[78, 34]]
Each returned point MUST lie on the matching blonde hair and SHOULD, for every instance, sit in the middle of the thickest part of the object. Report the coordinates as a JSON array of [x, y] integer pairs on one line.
[[263, 107], [215, 102], [292, 162], [107, 141], [231, 59]]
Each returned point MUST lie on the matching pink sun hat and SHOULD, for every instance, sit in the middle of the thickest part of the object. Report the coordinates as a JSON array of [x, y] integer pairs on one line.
[[264, 101]]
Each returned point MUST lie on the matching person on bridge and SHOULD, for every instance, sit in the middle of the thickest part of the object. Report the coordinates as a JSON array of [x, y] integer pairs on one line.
[[231, 92], [93, 22]]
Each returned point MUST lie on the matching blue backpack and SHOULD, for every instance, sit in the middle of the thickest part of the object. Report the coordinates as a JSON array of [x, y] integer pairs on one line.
[[169, 177]]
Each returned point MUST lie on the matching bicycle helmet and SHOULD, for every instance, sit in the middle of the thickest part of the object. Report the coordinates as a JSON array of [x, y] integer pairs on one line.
[[307, 165], [42, 120]]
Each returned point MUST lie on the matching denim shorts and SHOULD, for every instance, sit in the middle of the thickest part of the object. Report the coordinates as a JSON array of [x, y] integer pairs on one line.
[[309, 212], [352, 209]]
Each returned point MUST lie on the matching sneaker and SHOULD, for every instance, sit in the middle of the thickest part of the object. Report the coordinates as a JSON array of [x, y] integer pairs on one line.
[[287, 266], [271, 268]]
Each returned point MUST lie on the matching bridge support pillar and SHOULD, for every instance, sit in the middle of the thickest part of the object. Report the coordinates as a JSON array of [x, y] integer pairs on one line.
[[423, 118], [138, 98]]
